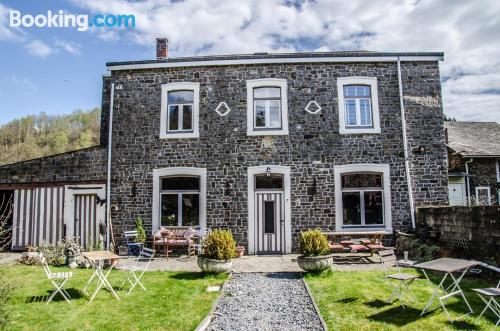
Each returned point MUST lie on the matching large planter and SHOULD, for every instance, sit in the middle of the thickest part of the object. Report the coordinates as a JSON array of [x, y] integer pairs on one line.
[[315, 263], [214, 266]]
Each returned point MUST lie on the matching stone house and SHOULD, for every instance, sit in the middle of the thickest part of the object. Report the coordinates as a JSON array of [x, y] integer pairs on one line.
[[264, 144], [474, 156]]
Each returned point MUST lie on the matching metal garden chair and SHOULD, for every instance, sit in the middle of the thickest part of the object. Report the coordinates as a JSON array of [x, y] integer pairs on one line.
[[404, 280], [58, 279], [133, 247], [134, 274], [490, 295]]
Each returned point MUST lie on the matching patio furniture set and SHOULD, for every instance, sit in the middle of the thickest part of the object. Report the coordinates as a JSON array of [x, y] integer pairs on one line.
[[98, 261], [179, 238], [353, 247], [452, 269]]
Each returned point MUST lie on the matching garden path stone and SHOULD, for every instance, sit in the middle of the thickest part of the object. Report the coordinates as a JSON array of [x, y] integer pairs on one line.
[[265, 301]]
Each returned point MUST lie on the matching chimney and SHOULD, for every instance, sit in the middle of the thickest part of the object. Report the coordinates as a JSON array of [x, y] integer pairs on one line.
[[161, 48]]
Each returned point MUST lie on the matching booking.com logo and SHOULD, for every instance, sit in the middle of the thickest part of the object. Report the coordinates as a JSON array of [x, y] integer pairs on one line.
[[62, 20]]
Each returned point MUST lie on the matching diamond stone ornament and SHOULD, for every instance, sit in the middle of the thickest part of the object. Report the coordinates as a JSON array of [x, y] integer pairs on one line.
[[222, 109], [313, 107]]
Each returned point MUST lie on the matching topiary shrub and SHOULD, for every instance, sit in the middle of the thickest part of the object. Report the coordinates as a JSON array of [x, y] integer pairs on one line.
[[313, 243], [141, 234], [219, 245]]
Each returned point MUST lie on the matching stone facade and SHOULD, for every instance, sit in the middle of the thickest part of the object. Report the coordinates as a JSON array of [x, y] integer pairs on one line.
[[312, 148], [84, 165]]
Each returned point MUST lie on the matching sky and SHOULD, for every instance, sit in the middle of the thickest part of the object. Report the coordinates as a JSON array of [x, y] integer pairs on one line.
[[58, 70]]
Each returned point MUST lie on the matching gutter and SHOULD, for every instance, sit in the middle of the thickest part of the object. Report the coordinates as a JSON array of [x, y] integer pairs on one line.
[[108, 181], [467, 179], [405, 146], [115, 66]]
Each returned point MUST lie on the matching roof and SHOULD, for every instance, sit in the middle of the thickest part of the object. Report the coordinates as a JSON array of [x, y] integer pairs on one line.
[[480, 139], [258, 58]]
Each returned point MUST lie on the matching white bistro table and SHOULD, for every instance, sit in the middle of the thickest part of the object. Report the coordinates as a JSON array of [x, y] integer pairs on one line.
[[97, 259], [447, 266]]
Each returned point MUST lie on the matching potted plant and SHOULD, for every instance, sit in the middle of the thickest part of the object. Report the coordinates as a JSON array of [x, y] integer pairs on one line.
[[217, 250], [240, 250], [71, 251], [141, 233], [315, 251]]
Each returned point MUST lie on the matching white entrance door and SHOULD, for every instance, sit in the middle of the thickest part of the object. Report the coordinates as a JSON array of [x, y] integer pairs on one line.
[[456, 189], [269, 223]]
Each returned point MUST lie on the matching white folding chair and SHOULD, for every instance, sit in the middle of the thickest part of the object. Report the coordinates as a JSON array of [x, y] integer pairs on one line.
[[489, 296], [404, 280], [135, 273], [58, 279]]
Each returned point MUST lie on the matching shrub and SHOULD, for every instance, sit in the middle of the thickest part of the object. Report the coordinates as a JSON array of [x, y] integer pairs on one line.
[[141, 234], [219, 245], [313, 243]]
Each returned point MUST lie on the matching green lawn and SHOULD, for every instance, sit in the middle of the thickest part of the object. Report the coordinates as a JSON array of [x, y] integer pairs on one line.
[[173, 301], [356, 300]]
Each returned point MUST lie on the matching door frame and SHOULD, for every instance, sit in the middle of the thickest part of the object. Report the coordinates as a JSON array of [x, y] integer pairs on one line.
[[275, 169]]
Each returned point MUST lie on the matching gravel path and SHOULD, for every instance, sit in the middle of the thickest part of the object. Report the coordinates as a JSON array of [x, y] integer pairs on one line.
[[265, 301]]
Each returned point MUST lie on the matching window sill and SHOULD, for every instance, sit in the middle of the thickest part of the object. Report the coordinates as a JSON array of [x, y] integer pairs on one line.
[[280, 132], [343, 130], [179, 135]]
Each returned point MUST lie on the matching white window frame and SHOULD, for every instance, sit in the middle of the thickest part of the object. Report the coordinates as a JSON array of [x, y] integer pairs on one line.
[[165, 88], [487, 188], [383, 169], [370, 81], [179, 194], [179, 171], [267, 82]]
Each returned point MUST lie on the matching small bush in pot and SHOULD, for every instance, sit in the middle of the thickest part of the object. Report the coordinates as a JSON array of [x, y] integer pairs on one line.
[[219, 247], [315, 251]]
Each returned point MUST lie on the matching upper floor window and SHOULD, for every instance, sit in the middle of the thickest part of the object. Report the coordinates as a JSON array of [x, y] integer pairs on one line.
[[180, 110], [358, 105], [267, 107]]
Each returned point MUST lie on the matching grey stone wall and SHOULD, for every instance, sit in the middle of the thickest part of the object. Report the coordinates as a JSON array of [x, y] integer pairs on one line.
[[465, 232], [484, 173], [87, 164], [312, 148]]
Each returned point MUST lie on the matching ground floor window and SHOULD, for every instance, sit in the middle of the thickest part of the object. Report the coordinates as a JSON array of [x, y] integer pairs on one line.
[[483, 197], [362, 199], [180, 201]]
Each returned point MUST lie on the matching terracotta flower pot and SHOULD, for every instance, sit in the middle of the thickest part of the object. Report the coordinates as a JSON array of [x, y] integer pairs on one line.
[[240, 250], [214, 266], [315, 263]]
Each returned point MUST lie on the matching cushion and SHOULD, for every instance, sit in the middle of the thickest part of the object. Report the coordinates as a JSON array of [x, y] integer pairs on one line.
[[164, 232], [346, 242], [189, 233], [375, 247], [336, 248], [157, 235], [359, 248], [365, 241]]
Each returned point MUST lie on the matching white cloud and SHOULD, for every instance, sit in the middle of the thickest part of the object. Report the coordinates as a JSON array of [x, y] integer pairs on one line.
[[39, 48], [6, 32], [69, 46], [466, 31]]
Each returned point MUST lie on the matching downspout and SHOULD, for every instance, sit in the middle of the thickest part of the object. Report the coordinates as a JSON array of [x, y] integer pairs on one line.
[[467, 180], [108, 172], [405, 146]]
